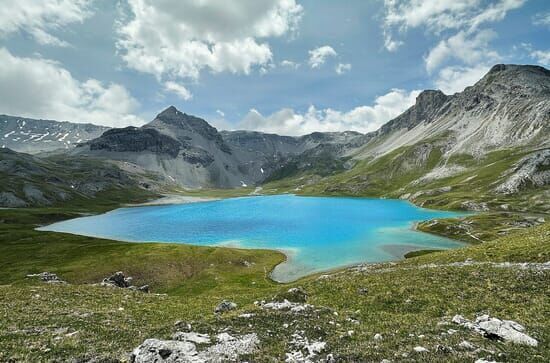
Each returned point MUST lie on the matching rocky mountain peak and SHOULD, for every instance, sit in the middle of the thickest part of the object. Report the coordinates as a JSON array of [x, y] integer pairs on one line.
[[174, 117], [430, 97], [169, 112], [427, 104], [513, 80]]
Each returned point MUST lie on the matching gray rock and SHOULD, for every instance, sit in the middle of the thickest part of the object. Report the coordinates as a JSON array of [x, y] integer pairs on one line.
[[224, 306], [227, 349], [118, 279], [475, 207], [48, 277], [167, 351], [507, 330], [144, 288], [10, 200], [494, 328]]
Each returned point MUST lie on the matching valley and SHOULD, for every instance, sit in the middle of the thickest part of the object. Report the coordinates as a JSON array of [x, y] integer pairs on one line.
[[485, 150]]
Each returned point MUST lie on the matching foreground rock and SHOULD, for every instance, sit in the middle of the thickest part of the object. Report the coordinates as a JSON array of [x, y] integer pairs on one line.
[[48, 277], [119, 280], [227, 348], [225, 306], [494, 328]]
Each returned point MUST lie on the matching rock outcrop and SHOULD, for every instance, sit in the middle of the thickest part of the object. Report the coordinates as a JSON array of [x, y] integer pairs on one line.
[[119, 280], [494, 328], [226, 349]]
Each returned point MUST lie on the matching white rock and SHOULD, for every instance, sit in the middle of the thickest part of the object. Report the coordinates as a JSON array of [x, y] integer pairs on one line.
[[420, 349], [505, 329], [378, 336]]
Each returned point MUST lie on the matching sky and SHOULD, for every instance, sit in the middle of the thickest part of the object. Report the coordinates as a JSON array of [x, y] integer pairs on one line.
[[284, 66]]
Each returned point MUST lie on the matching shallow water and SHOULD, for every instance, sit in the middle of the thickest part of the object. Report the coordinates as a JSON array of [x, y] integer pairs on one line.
[[316, 233]]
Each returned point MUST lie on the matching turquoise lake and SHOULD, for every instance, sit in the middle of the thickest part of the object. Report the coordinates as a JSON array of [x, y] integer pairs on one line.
[[316, 233]]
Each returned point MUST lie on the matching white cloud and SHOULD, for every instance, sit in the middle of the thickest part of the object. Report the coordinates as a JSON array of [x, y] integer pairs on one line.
[[221, 113], [178, 89], [454, 79], [342, 68], [469, 49], [39, 18], [318, 56], [362, 119], [180, 38], [41, 88], [440, 15], [542, 19], [541, 56], [290, 64]]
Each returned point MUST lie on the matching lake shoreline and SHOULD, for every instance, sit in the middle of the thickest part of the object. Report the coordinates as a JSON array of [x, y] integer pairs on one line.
[[396, 251]]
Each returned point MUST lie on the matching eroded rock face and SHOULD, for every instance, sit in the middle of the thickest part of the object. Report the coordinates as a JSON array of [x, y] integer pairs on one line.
[[532, 170]]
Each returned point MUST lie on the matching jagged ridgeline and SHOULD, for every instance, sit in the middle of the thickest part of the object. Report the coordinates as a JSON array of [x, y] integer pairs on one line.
[[492, 137]]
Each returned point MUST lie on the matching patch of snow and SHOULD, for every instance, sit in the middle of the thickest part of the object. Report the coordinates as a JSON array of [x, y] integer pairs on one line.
[[43, 136], [63, 137]]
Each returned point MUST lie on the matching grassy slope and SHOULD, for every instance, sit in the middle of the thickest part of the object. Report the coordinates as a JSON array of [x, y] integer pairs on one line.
[[402, 303]]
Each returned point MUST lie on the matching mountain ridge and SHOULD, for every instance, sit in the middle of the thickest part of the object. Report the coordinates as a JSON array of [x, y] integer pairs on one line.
[[508, 108]]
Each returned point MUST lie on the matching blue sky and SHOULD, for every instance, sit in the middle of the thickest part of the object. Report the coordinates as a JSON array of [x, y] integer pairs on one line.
[[286, 66]]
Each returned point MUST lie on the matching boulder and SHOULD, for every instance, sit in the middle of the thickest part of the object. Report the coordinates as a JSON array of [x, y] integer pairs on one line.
[[506, 330], [118, 279], [224, 306], [494, 328]]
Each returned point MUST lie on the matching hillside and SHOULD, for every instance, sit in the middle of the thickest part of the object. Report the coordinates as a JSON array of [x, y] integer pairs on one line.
[[26, 180]]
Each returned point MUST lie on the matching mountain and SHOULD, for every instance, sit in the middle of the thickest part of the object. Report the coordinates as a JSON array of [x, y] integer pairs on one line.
[[27, 180], [188, 151], [34, 136], [486, 143], [492, 139], [508, 107]]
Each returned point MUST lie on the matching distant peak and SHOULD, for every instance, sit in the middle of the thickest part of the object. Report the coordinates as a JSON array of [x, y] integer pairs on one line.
[[170, 111], [431, 96]]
